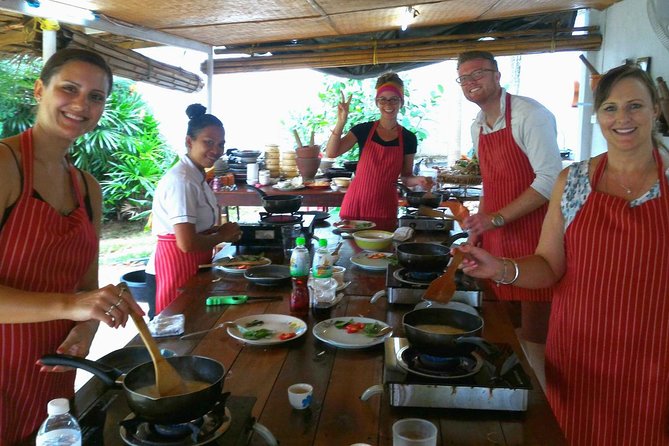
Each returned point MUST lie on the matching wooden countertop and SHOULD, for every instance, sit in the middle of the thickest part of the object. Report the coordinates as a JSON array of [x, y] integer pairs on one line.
[[246, 196], [337, 416]]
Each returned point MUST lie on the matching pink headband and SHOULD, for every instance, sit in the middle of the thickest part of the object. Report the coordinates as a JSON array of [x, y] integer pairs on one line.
[[392, 87]]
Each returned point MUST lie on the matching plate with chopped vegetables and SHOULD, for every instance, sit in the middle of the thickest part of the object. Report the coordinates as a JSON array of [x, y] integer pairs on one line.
[[374, 261], [267, 329], [351, 332], [239, 264], [353, 225]]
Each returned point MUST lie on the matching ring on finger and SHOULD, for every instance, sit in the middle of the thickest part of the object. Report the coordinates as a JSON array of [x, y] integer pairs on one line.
[[111, 309], [119, 302]]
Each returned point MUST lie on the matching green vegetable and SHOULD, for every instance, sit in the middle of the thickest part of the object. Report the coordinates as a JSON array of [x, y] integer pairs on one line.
[[257, 334], [253, 323], [343, 324], [372, 329]]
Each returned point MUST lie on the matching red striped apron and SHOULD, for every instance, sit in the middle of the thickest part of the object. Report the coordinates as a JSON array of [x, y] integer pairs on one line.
[[372, 195], [40, 250], [507, 173], [607, 355], [173, 268]]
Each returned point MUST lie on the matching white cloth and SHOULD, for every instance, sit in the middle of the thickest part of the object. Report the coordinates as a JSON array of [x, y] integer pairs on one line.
[[182, 196], [535, 131]]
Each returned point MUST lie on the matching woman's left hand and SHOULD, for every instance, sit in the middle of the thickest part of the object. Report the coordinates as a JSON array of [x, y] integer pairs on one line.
[[77, 343]]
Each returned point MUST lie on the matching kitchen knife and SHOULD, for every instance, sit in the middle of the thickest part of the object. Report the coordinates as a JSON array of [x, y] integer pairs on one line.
[[238, 299]]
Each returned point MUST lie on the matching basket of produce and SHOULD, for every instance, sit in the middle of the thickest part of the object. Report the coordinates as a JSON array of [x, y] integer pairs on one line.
[[465, 171]]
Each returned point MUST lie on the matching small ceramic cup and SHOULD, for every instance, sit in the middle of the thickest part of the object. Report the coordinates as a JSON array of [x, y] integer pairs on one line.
[[300, 395], [414, 432], [338, 274]]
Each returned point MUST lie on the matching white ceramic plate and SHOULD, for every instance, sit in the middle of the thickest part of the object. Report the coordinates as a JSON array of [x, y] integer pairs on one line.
[[289, 188], [363, 260], [353, 225], [278, 323], [343, 285], [235, 269], [339, 337]]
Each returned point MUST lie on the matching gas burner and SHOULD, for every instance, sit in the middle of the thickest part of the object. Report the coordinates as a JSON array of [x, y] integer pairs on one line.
[[280, 219], [136, 431], [438, 367], [425, 223], [419, 278]]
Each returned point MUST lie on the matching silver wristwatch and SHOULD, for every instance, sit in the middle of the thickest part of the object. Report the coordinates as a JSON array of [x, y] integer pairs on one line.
[[497, 220]]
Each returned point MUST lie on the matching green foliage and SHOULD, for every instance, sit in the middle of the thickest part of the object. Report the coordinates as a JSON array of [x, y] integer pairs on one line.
[[362, 109], [125, 152]]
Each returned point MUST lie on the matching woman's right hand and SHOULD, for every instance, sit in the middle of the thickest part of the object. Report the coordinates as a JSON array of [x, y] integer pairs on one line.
[[110, 305], [231, 232], [480, 263], [342, 108]]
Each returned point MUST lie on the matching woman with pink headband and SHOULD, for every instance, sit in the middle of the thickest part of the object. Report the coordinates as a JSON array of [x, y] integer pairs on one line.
[[386, 152]]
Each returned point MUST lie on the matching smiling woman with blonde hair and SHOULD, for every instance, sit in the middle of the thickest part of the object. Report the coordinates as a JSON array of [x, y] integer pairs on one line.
[[605, 247]]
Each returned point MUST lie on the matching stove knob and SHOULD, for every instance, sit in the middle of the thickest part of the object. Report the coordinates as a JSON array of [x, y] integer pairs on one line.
[[440, 225], [412, 225]]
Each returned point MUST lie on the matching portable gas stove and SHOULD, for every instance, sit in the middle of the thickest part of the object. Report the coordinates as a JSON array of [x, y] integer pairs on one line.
[[477, 381], [405, 287], [425, 223], [228, 423], [266, 232]]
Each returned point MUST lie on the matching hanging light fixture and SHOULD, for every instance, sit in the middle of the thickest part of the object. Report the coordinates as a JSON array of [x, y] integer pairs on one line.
[[409, 14], [59, 11]]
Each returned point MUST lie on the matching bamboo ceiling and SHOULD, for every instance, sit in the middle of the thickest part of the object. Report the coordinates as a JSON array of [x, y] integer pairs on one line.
[[242, 25]]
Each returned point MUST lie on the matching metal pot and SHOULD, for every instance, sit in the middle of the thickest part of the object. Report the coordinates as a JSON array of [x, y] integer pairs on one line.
[[426, 257], [279, 204], [440, 344], [417, 199], [165, 410]]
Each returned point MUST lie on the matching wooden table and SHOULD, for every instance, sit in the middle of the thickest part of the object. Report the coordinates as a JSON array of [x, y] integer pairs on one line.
[[337, 416], [312, 197]]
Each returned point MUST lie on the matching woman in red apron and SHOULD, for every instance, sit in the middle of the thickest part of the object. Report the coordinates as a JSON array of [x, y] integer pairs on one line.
[[606, 245], [49, 296], [186, 215], [386, 152]]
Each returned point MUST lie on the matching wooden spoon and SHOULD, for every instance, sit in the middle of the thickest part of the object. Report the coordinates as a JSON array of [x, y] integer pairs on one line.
[[443, 287], [297, 139], [428, 185], [168, 380], [429, 212]]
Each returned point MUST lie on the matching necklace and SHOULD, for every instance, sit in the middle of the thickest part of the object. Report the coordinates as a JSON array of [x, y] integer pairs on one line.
[[641, 179]]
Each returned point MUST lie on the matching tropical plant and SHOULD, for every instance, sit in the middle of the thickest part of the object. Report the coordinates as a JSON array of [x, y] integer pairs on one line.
[[362, 109], [125, 152]]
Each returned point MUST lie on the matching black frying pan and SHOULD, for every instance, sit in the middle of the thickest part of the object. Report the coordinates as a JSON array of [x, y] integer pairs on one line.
[[165, 410], [279, 204]]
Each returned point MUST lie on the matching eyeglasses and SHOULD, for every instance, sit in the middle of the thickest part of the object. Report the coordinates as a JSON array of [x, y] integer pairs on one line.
[[473, 76], [392, 101]]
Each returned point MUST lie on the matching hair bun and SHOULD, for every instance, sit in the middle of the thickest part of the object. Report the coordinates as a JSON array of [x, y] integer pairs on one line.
[[195, 110]]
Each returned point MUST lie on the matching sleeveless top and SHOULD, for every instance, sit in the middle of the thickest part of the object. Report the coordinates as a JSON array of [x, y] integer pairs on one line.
[[43, 251], [607, 352]]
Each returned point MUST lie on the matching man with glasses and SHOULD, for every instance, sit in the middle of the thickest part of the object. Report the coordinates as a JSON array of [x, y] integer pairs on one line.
[[515, 140]]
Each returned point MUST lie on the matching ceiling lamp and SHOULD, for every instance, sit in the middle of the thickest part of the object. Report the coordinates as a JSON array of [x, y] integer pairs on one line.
[[409, 14], [59, 11]]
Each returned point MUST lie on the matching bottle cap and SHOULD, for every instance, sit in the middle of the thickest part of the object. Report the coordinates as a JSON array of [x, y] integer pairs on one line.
[[300, 241], [58, 406], [322, 243]]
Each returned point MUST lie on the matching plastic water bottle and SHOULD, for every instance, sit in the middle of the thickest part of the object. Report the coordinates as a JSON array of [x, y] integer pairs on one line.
[[323, 285], [299, 272], [60, 428]]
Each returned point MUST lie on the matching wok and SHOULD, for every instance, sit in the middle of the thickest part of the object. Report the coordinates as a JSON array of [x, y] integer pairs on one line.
[[417, 199], [426, 257], [440, 344], [279, 204], [165, 410]]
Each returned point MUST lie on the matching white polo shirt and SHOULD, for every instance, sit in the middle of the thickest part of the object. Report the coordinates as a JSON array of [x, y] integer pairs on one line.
[[535, 131], [182, 196]]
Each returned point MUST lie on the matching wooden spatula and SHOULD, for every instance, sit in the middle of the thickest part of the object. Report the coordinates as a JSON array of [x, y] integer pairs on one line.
[[429, 212], [428, 185], [443, 287], [168, 380]]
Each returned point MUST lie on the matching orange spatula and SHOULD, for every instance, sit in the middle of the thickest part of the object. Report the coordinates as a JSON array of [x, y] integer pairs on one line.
[[443, 287]]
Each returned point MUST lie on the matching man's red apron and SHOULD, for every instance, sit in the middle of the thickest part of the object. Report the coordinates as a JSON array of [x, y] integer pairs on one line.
[[607, 353], [173, 269], [507, 173], [40, 250], [372, 195]]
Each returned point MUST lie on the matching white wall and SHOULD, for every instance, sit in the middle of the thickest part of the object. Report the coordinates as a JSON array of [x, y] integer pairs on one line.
[[627, 35]]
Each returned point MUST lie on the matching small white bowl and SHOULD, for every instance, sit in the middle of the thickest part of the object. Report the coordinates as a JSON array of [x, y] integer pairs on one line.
[[341, 181]]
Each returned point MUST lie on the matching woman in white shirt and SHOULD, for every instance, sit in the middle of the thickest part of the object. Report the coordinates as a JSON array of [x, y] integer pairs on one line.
[[186, 215]]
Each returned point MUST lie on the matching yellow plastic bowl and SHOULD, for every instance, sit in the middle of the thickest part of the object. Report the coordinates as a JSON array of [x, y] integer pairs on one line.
[[373, 240]]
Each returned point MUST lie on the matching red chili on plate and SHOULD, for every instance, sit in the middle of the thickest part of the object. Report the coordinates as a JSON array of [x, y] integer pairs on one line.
[[287, 335]]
